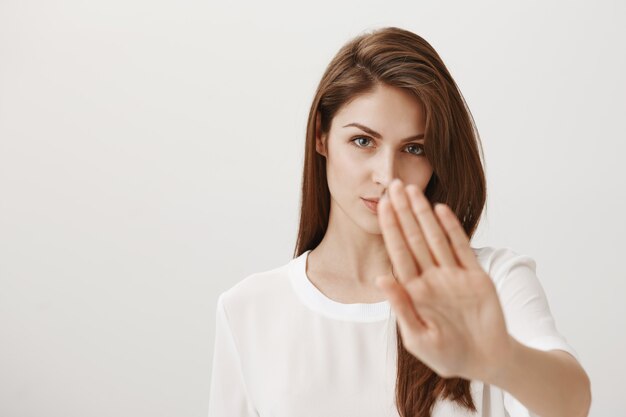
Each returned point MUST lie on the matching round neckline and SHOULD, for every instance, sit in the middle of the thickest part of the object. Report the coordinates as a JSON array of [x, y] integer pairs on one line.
[[316, 300]]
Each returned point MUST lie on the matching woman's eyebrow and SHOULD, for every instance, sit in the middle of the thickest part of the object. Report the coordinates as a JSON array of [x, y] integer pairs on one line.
[[378, 135]]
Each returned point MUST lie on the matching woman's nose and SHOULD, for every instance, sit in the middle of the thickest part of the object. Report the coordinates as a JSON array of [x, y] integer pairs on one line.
[[385, 170]]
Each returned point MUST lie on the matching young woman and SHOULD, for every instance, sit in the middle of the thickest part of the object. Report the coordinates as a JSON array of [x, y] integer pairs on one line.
[[385, 309]]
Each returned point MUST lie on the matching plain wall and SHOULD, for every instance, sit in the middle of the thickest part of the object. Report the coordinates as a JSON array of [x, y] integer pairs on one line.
[[151, 157]]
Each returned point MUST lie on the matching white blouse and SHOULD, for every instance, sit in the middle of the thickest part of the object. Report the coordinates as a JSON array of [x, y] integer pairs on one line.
[[284, 349]]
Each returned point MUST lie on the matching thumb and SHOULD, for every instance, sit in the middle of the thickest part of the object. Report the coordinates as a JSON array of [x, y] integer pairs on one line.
[[401, 302]]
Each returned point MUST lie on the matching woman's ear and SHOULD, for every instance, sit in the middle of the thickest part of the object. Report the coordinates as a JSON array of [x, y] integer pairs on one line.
[[320, 139], [319, 145]]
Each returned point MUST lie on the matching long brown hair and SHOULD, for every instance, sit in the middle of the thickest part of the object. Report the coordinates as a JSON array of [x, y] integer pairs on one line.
[[402, 59]]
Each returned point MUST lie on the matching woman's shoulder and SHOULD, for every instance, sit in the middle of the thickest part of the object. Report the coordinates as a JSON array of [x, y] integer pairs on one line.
[[497, 261], [257, 288], [498, 251]]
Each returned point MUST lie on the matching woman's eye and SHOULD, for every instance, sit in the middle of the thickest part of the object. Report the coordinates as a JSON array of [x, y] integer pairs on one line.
[[419, 147], [419, 152], [360, 137]]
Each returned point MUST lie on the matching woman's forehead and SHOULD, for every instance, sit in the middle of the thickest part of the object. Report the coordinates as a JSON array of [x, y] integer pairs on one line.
[[389, 111]]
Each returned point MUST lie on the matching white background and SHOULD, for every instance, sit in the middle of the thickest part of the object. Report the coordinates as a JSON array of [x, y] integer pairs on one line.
[[151, 157]]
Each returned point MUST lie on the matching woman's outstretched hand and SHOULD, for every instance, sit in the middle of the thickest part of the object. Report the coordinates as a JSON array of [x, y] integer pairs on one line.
[[446, 305]]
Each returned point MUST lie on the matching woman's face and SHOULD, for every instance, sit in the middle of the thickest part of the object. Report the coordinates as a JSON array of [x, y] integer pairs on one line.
[[362, 160]]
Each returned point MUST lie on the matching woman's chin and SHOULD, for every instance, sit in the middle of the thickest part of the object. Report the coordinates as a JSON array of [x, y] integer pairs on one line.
[[371, 226]]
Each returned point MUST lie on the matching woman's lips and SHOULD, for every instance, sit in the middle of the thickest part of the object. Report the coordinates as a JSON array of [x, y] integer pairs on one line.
[[371, 205]]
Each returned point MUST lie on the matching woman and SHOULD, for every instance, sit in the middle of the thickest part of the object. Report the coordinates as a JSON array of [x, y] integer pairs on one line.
[[385, 309]]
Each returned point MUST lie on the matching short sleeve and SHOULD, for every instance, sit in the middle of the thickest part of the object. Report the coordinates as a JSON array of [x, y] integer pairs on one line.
[[228, 393], [527, 314]]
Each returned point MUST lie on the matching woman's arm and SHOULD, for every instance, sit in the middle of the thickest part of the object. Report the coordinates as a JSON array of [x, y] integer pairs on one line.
[[549, 383]]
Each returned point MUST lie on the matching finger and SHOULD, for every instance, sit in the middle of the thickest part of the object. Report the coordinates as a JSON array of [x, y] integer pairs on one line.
[[458, 238], [417, 297], [400, 255], [401, 303], [435, 237], [428, 322], [411, 230]]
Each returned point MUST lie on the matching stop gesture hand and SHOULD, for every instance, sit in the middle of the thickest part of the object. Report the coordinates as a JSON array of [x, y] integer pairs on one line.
[[446, 305]]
